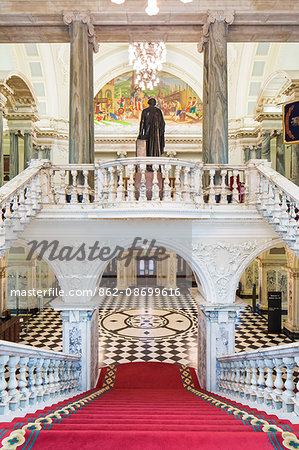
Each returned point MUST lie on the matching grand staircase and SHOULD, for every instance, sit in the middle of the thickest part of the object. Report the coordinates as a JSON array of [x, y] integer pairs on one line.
[[148, 406]]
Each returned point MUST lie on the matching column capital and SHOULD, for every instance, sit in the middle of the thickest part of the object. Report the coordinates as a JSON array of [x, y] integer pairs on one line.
[[212, 17], [86, 18]]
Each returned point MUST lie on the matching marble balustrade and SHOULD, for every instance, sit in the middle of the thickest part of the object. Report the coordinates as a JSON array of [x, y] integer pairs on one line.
[[29, 375], [266, 376]]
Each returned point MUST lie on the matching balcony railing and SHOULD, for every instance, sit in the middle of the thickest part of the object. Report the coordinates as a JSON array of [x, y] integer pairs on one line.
[[43, 374], [266, 376]]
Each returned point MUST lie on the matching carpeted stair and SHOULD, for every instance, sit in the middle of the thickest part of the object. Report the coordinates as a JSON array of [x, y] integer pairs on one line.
[[148, 406]]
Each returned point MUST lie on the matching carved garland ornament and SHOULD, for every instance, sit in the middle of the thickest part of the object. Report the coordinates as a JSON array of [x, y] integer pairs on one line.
[[214, 16], [231, 256]]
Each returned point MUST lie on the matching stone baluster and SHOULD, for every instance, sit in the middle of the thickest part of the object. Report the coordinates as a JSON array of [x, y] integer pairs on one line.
[[4, 397], [223, 191], [253, 390], [23, 384], [198, 192], [77, 373], [51, 194], [261, 381], [61, 377], [51, 378], [288, 396], [221, 376], [212, 193], [276, 207], [39, 380], [28, 204], [74, 187], [264, 197], [46, 387], [112, 185], [65, 377], [235, 192], [177, 183], [232, 377], [31, 381], [69, 376], [155, 185], [226, 377], [296, 407], [2, 231], [270, 203], [56, 376], [259, 192], [106, 184], [130, 187], [242, 379], [283, 217], [290, 224], [237, 378], [247, 379], [16, 222], [85, 193], [278, 383], [120, 193], [186, 184], [269, 382], [34, 195], [13, 383], [142, 187], [62, 187], [8, 221], [166, 186], [73, 375]]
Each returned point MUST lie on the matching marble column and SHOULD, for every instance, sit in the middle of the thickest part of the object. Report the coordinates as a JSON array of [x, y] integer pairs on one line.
[[215, 91], [1, 147], [266, 146], [14, 154], [81, 92], [247, 154], [280, 154], [295, 164], [28, 149], [205, 117]]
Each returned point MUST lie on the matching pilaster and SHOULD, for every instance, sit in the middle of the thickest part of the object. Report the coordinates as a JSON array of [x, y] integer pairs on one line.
[[80, 337]]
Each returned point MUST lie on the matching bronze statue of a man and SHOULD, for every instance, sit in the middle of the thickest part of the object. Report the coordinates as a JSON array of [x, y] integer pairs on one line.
[[152, 127]]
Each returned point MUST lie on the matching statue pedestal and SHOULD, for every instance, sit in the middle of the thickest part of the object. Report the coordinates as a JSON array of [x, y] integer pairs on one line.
[[140, 147]]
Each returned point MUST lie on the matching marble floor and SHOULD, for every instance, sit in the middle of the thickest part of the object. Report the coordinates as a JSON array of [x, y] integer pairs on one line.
[[148, 328]]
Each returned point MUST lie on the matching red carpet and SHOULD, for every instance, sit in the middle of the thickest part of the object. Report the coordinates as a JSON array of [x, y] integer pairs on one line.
[[148, 407]]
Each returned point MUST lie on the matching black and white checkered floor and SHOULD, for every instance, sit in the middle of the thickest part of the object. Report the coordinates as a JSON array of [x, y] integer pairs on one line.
[[149, 329]]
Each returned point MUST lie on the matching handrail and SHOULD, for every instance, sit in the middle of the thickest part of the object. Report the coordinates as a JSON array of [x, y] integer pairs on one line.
[[21, 179], [279, 180], [14, 349]]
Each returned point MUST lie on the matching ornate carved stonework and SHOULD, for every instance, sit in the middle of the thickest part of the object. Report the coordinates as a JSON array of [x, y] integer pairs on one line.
[[212, 17], [77, 16], [222, 260]]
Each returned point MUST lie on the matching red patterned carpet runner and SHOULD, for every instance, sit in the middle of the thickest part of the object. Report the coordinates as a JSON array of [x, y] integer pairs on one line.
[[148, 406]]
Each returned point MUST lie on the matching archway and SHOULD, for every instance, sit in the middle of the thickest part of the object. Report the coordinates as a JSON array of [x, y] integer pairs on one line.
[[147, 310], [270, 271]]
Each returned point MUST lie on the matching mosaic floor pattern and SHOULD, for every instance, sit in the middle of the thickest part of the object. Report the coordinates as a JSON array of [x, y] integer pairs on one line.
[[149, 329]]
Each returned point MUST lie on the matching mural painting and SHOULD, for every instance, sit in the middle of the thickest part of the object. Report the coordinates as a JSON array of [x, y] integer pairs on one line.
[[121, 101]]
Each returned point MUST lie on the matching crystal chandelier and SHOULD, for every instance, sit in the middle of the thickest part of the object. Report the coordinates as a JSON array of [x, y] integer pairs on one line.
[[152, 8], [147, 59]]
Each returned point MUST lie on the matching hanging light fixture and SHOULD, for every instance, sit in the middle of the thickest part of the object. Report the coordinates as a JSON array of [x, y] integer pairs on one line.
[[152, 8], [147, 59]]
